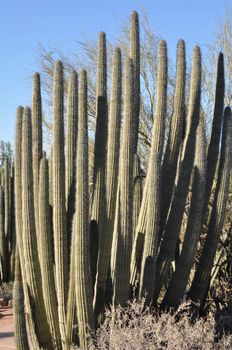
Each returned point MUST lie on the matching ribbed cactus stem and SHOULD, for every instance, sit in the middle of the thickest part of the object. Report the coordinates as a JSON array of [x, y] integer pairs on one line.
[[177, 286], [201, 279], [45, 244], [7, 216], [214, 144], [36, 141], [50, 171], [137, 194], [111, 182], [59, 212], [147, 285], [84, 296], [3, 241], [124, 244], [72, 115], [21, 338], [172, 151], [173, 225], [18, 221], [98, 210], [30, 248], [135, 56]]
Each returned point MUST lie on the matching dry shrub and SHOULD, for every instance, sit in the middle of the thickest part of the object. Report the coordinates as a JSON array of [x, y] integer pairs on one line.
[[135, 327]]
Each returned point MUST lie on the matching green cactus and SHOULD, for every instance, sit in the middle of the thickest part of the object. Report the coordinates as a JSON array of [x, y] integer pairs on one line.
[[137, 194], [214, 144], [3, 241], [45, 245], [30, 248], [172, 151], [72, 115], [7, 218], [36, 114], [84, 297], [135, 56], [125, 198], [98, 205], [150, 248], [59, 212], [201, 281], [21, 338], [111, 183], [173, 225], [177, 286]]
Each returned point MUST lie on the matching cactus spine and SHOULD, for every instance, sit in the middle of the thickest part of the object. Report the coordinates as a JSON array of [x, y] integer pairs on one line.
[[84, 297]]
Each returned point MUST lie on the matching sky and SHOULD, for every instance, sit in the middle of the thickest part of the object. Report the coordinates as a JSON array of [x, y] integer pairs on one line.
[[59, 23]]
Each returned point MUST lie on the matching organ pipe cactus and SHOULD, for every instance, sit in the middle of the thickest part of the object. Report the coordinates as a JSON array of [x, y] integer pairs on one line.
[[214, 144], [201, 280], [150, 248], [84, 297], [125, 197], [59, 212], [30, 248], [172, 151], [76, 256], [19, 316], [173, 225], [36, 114], [99, 181], [111, 182], [3, 242], [177, 286], [135, 56], [72, 115], [45, 245]]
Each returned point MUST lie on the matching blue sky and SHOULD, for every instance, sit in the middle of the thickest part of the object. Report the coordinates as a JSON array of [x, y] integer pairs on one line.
[[58, 23]]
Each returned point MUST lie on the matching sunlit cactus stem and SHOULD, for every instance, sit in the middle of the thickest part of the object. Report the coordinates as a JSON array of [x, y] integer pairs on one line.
[[84, 295], [59, 212]]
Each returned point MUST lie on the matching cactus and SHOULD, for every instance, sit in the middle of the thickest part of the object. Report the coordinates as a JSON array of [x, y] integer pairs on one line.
[[137, 194], [173, 225], [36, 141], [111, 183], [125, 207], [214, 144], [45, 245], [19, 315], [71, 149], [3, 241], [201, 281], [30, 248], [7, 218], [59, 212], [153, 180], [172, 151], [135, 56], [84, 297], [177, 286]]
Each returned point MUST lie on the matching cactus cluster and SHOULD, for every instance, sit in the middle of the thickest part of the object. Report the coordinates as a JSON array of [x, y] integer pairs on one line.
[[82, 246]]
